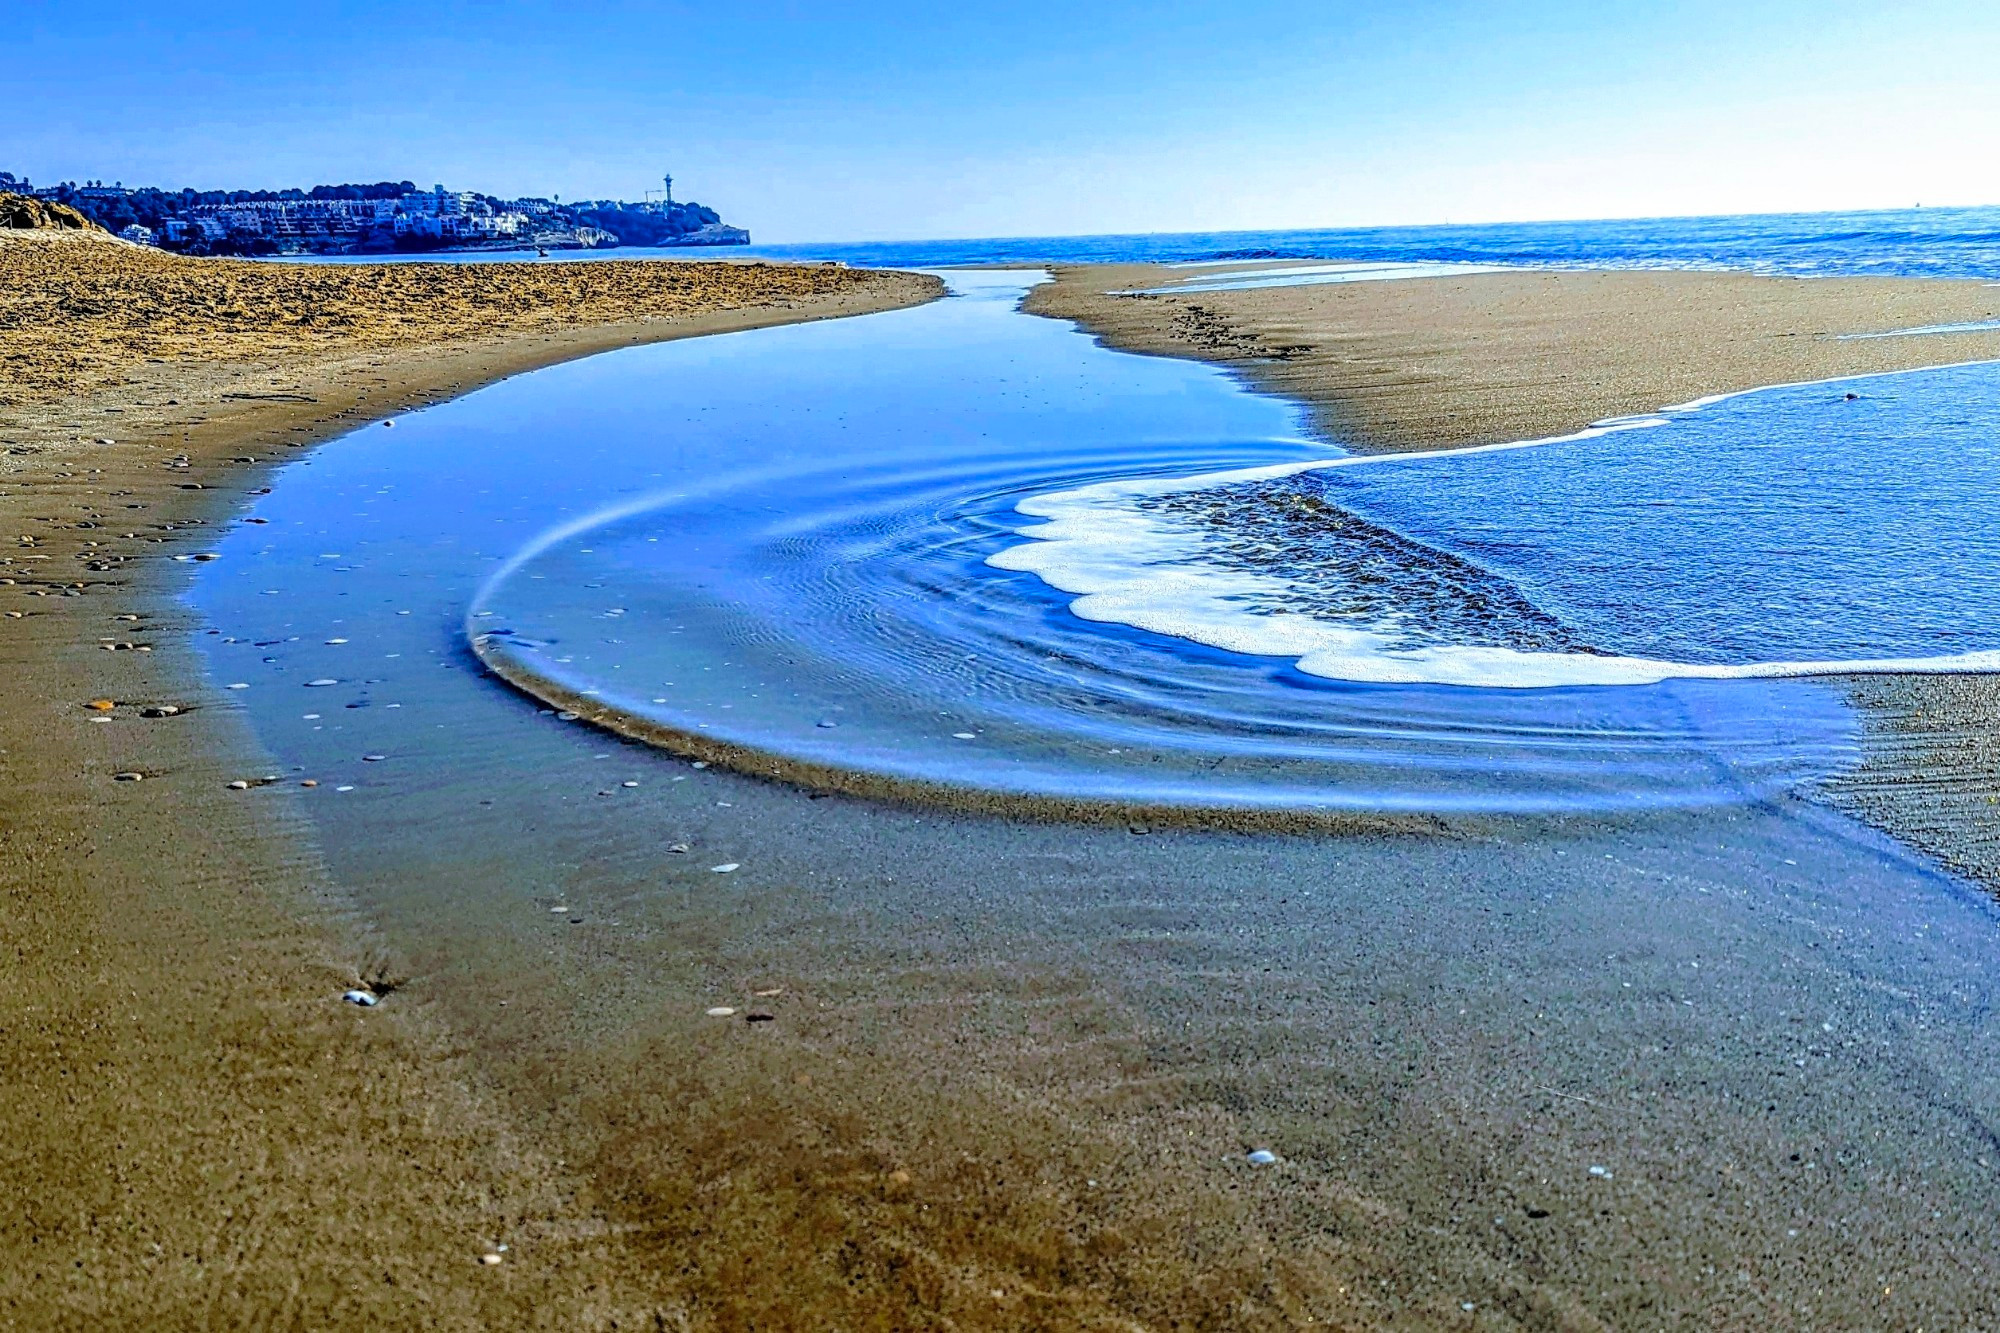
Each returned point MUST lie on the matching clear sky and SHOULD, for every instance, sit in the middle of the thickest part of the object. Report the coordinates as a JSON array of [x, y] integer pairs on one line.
[[903, 119]]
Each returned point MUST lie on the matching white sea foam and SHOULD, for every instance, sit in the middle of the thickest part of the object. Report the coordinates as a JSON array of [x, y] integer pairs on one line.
[[1306, 275], [1129, 564], [1976, 326]]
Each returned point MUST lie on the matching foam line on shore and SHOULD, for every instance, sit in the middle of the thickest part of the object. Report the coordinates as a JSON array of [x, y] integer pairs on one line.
[[1923, 330]]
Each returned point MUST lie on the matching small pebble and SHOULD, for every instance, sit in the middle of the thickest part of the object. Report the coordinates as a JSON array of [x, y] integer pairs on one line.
[[161, 710], [366, 999], [725, 867], [309, 782], [679, 848], [722, 1011], [345, 788], [100, 705], [628, 784], [239, 785], [322, 681], [373, 758], [240, 685], [963, 736], [127, 777], [559, 911], [565, 717], [1263, 1157], [1601, 1172], [699, 763], [488, 1259]]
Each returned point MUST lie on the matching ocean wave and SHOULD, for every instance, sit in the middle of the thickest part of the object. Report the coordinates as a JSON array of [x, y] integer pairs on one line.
[[1234, 561]]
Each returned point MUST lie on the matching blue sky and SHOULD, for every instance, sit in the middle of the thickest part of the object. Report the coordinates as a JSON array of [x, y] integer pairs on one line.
[[903, 120]]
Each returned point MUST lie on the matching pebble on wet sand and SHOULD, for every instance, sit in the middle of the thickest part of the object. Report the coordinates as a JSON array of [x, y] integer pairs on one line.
[[722, 1011], [1263, 1157], [366, 999], [725, 867]]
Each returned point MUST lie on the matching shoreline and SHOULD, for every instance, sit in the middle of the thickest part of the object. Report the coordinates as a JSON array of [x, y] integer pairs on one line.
[[1488, 360], [201, 1130], [1493, 358], [1022, 1069]]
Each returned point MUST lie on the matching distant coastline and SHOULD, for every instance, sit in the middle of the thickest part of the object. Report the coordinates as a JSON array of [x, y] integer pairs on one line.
[[385, 217]]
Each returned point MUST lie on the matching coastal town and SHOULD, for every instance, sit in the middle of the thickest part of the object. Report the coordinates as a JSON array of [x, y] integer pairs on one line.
[[385, 217]]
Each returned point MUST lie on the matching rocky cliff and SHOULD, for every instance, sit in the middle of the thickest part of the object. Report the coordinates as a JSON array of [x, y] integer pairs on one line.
[[20, 212]]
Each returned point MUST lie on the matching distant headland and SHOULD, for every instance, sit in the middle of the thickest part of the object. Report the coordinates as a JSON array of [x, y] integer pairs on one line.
[[384, 217]]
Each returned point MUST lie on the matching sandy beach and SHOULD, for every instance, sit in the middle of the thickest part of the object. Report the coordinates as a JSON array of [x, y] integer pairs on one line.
[[1492, 357], [1683, 1070], [196, 1137]]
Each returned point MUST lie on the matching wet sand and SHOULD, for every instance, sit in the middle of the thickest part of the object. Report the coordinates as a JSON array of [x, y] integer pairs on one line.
[[198, 1132], [1712, 1069]]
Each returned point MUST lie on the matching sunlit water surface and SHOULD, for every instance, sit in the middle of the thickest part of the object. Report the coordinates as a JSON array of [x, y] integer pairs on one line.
[[793, 543]]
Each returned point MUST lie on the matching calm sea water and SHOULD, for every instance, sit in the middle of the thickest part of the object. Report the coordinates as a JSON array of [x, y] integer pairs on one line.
[[1923, 242]]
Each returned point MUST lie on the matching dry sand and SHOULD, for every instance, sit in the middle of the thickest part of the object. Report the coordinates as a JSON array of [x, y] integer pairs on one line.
[[1485, 358], [197, 1132]]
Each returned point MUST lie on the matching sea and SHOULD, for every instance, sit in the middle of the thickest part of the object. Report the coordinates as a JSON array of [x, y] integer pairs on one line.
[[1911, 242], [1907, 242]]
